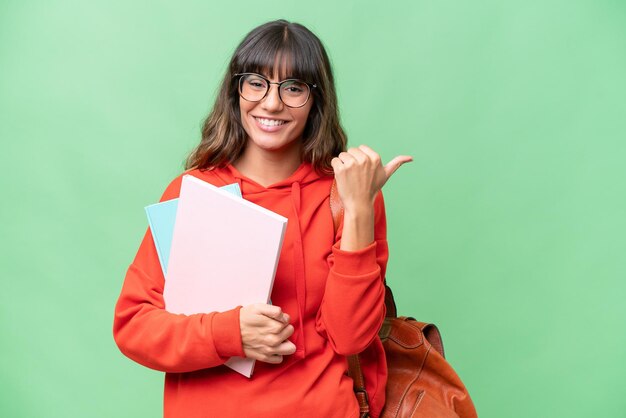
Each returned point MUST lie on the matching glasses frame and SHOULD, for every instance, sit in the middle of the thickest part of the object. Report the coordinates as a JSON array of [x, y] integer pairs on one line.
[[279, 83]]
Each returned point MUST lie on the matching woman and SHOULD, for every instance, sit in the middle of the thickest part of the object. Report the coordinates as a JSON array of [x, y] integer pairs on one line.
[[275, 130]]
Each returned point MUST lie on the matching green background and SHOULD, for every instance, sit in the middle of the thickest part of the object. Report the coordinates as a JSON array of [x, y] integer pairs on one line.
[[508, 230]]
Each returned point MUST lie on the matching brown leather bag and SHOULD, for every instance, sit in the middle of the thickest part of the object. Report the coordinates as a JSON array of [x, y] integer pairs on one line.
[[420, 382]]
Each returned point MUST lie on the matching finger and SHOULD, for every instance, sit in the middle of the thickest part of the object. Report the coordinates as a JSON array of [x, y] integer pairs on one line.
[[252, 315], [285, 348], [373, 155], [337, 165], [272, 311], [394, 164], [274, 327], [273, 359], [271, 341], [346, 158], [358, 155], [285, 333]]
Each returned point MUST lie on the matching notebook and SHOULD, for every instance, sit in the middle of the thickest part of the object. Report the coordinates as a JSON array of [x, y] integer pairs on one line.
[[224, 253], [161, 218]]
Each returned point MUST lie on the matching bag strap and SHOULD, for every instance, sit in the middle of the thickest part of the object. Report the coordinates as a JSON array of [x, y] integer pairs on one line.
[[355, 372], [336, 207]]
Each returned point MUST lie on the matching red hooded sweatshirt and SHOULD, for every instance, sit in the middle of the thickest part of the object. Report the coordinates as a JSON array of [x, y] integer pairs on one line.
[[335, 300]]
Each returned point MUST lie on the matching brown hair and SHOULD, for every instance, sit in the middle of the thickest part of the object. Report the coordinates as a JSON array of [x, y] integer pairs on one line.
[[223, 136]]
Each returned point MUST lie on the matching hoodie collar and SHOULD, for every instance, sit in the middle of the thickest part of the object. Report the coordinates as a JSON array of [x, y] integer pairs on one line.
[[303, 175]]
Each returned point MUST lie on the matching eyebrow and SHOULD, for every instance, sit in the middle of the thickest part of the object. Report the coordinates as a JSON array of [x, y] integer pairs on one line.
[[290, 77]]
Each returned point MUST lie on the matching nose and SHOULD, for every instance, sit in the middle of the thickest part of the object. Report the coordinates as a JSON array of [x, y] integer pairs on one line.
[[271, 102]]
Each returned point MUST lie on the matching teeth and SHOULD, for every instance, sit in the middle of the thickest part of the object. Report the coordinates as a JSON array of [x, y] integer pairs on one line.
[[269, 122]]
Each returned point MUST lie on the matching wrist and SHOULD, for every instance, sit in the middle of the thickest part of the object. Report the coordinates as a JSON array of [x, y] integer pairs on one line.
[[358, 209], [358, 228], [226, 331]]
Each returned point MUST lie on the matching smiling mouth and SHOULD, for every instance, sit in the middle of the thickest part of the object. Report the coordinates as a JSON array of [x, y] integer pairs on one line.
[[270, 122]]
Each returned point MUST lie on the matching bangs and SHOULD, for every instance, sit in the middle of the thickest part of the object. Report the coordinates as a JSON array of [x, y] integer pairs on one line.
[[281, 51]]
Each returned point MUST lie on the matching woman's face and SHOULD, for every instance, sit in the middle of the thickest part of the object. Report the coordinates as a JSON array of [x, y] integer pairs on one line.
[[270, 124]]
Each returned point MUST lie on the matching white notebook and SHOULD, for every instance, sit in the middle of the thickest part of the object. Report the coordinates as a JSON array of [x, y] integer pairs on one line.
[[224, 253]]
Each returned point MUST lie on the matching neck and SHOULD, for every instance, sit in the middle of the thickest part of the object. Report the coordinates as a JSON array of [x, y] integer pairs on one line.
[[267, 168]]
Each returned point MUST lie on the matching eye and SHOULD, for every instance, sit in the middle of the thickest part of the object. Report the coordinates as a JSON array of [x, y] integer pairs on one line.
[[255, 82], [294, 87]]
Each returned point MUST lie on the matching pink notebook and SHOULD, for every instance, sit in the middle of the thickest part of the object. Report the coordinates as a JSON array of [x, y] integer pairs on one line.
[[224, 253]]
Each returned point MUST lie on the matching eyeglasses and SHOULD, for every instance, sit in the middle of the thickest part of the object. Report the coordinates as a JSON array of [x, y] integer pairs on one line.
[[292, 92]]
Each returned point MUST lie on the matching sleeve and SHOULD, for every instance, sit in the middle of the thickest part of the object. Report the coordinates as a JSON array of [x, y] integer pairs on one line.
[[146, 333], [353, 307]]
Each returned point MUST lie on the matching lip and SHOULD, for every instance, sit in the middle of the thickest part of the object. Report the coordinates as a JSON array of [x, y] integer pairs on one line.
[[266, 128], [268, 117]]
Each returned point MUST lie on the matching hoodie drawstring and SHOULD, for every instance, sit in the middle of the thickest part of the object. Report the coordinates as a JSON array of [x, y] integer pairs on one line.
[[299, 273]]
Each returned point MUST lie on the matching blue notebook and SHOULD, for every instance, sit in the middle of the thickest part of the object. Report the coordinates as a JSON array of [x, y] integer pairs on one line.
[[162, 216]]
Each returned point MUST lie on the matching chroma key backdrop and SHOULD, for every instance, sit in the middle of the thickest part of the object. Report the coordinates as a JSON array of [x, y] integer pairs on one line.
[[508, 230]]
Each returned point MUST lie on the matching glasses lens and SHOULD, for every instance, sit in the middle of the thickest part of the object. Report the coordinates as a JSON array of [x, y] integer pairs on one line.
[[252, 87], [294, 93]]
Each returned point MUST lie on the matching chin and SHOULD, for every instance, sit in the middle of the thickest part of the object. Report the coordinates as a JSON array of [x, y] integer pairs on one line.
[[270, 144]]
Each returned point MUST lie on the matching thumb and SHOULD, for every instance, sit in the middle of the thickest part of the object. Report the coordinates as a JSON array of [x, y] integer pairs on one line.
[[394, 164]]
